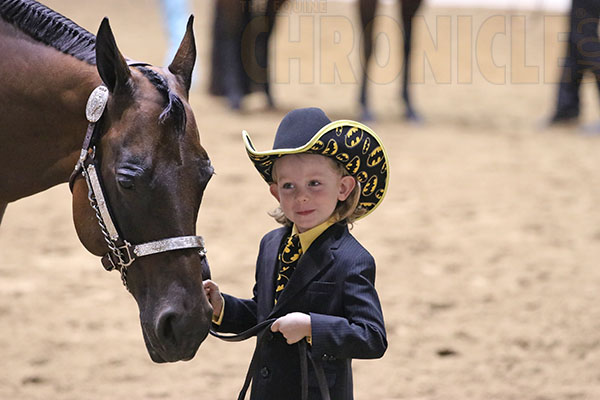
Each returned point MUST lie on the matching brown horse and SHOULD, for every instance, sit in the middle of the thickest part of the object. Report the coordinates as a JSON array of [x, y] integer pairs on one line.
[[229, 79], [143, 163]]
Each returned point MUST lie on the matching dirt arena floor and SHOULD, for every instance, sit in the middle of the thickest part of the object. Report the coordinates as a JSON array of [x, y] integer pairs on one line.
[[487, 244]]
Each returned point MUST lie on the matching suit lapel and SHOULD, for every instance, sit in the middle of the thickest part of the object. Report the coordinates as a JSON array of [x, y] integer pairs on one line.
[[317, 258]]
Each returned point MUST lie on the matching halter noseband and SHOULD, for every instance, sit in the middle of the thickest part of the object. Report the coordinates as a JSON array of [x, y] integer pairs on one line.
[[122, 253]]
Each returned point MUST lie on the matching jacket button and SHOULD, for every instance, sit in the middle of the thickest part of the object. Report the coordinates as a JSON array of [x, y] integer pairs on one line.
[[324, 357], [264, 372]]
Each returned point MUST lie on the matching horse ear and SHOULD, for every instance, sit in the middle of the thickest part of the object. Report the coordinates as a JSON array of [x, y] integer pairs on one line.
[[185, 58], [111, 65]]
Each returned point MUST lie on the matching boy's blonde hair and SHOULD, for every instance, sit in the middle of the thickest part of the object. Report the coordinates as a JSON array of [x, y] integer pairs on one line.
[[346, 211]]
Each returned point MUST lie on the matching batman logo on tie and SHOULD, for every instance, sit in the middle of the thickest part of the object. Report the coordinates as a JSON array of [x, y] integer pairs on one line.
[[342, 157], [331, 149], [353, 165], [292, 250], [366, 145], [288, 257], [375, 157], [370, 186], [353, 137], [362, 177], [317, 146]]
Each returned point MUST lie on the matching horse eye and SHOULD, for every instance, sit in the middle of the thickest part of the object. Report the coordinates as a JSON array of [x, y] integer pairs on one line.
[[127, 174], [126, 182]]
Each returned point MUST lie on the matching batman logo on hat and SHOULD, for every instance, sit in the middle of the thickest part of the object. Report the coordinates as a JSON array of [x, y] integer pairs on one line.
[[370, 186], [379, 194], [366, 205], [317, 146], [331, 149], [255, 157], [362, 176], [375, 157], [342, 157], [353, 137], [353, 165], [366, 145]]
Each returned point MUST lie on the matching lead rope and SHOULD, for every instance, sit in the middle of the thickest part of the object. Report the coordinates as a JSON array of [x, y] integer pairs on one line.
[[258, 330]]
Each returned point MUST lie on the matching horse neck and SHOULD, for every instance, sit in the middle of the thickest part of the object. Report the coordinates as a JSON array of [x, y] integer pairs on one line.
[[43, 93]]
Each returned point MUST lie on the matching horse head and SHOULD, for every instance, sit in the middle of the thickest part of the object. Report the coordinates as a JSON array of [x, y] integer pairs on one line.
[[153, 171]]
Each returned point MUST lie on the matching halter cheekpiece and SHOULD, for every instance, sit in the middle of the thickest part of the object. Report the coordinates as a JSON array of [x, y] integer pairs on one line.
[[121, 253]]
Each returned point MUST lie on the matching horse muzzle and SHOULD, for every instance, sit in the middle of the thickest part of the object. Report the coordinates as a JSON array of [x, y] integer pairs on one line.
[[175, 324], [175, 334]]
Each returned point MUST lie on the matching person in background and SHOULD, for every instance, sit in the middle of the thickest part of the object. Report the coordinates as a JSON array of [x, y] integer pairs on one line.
[[583, 54], [175, 15]]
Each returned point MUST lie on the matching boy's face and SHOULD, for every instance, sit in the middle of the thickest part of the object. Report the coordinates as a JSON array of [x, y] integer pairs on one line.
[[308, 188]]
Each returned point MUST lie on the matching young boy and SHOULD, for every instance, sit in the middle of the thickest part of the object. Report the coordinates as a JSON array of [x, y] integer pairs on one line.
[[312, 274]]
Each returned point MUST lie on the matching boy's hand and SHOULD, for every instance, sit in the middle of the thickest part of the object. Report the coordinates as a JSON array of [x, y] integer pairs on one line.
[[214, 297], [294, 326]]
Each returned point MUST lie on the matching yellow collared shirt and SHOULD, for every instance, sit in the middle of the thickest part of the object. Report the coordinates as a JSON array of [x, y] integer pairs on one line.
[[308, 237]]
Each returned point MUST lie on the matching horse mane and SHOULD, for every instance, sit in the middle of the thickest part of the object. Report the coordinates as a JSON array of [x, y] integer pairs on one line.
[[174, 108], [51, 28]]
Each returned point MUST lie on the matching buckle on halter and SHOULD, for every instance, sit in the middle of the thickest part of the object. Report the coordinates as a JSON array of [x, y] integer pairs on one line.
[[119, 259], [127, 258]]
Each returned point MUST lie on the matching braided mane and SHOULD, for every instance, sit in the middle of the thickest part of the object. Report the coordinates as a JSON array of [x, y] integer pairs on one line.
[[51, 28]]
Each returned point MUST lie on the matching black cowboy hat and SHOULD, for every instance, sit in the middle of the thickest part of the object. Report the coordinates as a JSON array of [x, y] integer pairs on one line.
[[350, 143]]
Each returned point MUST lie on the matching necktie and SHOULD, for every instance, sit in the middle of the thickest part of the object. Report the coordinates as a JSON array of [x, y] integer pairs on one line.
[[288, 258]]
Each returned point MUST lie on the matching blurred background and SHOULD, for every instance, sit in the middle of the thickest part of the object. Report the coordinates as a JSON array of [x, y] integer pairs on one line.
[[487, 244]]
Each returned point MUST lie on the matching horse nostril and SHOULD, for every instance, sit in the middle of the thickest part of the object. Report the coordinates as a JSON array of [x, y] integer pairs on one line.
[[165, 327], [176, 334]]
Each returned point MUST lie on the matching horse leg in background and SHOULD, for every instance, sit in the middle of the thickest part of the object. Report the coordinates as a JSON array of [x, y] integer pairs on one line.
[[227, 76], [2, 209], [262, 45], [367, 10], [409, 9]]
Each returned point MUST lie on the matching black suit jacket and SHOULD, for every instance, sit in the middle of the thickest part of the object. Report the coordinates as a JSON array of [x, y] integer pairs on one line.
[[334, 284]]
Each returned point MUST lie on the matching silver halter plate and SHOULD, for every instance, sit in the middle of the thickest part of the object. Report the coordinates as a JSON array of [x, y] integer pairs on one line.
[[122, 253]]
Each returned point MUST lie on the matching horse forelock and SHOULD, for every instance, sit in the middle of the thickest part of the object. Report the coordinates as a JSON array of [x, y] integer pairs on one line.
[[51, 28], [174, 108]]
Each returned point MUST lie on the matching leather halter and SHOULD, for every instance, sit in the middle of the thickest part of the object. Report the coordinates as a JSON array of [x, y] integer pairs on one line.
[[122, 253]]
